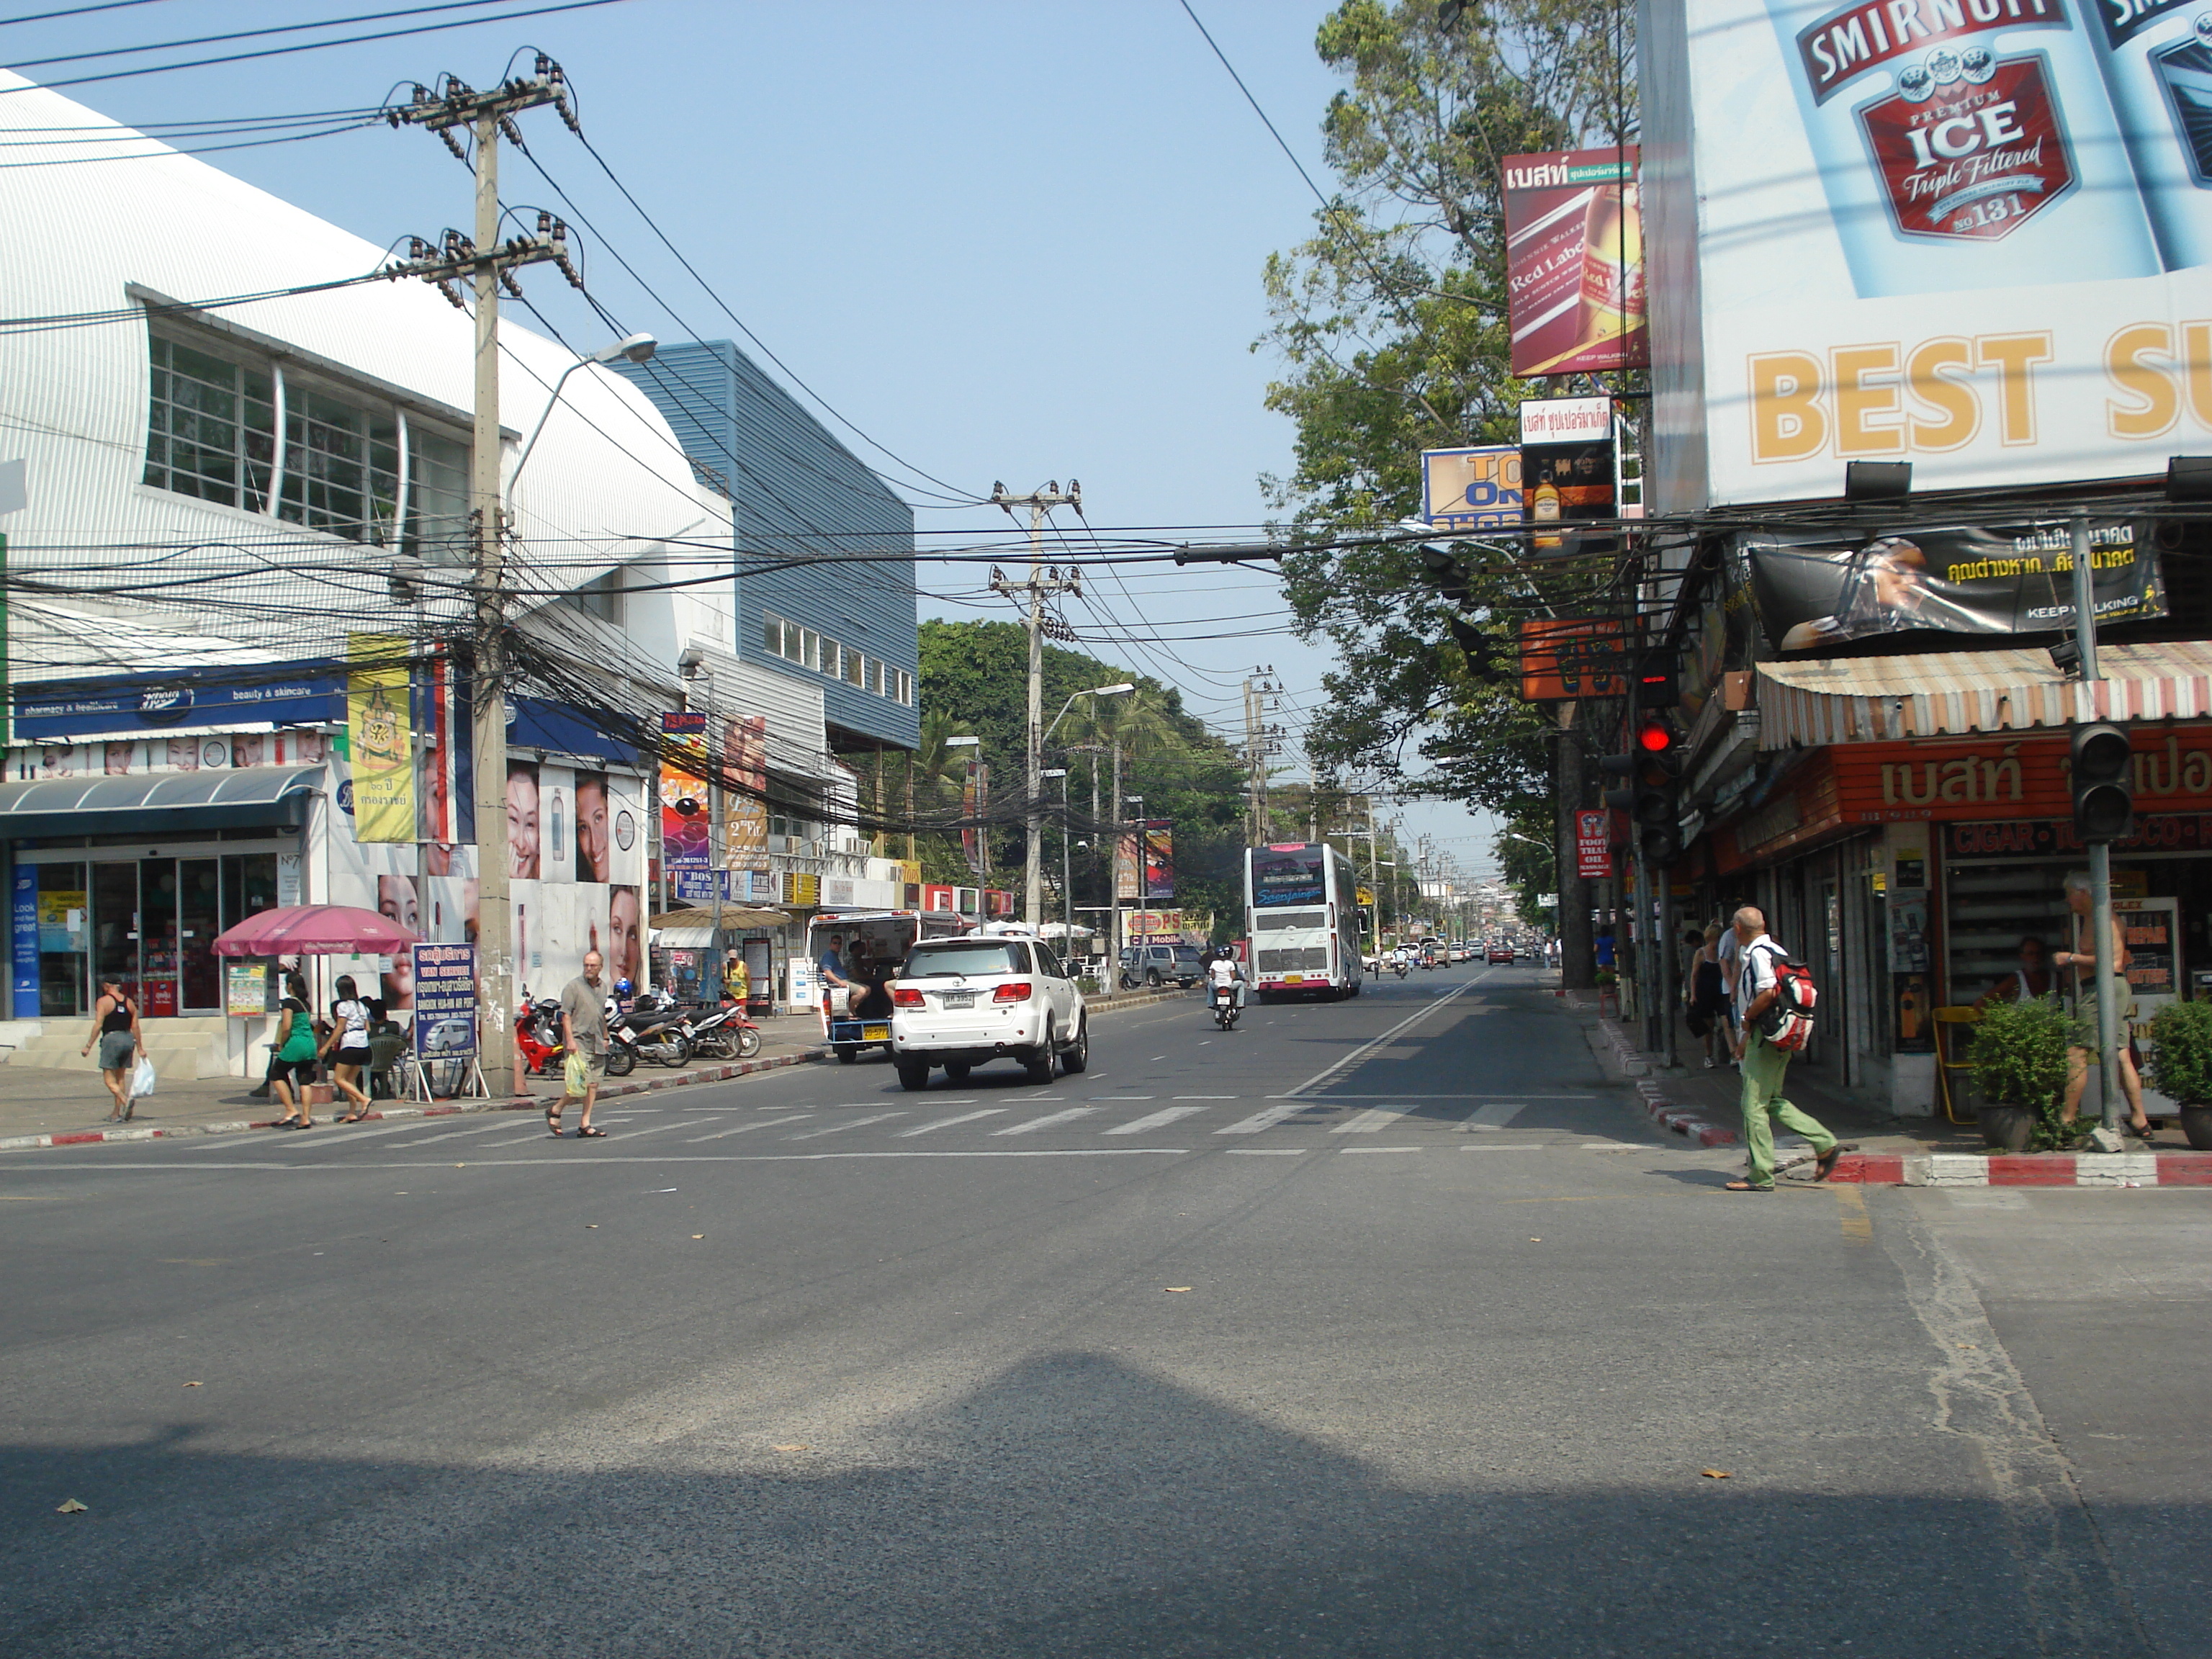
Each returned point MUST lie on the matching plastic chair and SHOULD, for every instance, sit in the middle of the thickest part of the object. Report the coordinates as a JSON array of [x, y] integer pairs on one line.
[[1947, 1020], [386, 1050]]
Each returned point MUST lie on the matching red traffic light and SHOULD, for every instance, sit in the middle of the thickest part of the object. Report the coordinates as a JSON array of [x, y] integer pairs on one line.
[[1655, 739]]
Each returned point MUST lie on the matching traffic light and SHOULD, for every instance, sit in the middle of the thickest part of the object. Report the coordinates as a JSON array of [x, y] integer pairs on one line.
[[1658, 808], [1442, 572], [2104, 783], [1659, 680], [1620, 797], [1475, 644]]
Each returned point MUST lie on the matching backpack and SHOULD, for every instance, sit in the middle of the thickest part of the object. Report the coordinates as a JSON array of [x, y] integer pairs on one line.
[[1787, 1022]]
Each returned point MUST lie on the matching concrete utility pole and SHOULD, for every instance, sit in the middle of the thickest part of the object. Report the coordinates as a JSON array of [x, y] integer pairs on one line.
[[488, 265], [2100, 852], [1261, 693], [1041, 585]]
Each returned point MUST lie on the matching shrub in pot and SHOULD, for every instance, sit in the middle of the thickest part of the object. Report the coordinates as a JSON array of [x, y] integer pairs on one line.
[[2018, 1060], [2181, 1065]]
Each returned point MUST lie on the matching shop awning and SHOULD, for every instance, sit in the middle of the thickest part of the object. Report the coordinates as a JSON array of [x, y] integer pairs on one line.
[[163, 803], [694, 930], [1954, 693]]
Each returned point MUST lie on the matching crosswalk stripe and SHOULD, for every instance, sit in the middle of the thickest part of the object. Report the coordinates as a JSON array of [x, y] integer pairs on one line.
[[658, 1128], [1158, 1120], [763, 1123], [1046, 1121], [839, 1128], [449, 1135], [1265, 1118], [1497, 1114], [947, 1122], [1372, 1121]]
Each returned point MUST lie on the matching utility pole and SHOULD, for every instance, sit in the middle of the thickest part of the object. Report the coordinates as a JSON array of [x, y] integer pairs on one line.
[[1042, 585], [489, 264], [1261, 694], [2100, 850]]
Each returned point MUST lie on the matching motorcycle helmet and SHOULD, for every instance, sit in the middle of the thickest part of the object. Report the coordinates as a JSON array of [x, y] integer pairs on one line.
[[622, 988]]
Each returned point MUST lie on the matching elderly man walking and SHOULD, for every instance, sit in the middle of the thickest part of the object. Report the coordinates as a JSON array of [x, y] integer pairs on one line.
[[1764, 1065], [584, 1035]]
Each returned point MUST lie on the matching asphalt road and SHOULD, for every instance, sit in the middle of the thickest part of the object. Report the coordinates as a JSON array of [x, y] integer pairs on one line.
[[1382, 1327]]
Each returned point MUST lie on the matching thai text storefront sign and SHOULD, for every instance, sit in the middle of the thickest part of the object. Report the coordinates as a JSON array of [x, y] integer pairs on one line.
[[446, 1001]]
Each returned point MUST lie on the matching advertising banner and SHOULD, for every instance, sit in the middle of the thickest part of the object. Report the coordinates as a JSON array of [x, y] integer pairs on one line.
[[1159, 859], [380, 737], [1125, 866], [1563, 658], [245, 987], [445, 1001], [1593, 846], [1972, 234], [1471, 489], [1813, 595], [1574, 261], [684, 824], [744, 799]]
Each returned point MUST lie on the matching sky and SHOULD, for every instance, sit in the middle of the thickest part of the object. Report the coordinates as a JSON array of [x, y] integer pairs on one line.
[[1016, 241]]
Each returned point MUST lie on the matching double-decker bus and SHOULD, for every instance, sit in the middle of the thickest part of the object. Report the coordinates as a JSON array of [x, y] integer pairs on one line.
[[1302, 916]]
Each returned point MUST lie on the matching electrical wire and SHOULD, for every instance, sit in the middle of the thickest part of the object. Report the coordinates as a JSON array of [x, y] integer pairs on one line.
[[76, 11], [253, 34]]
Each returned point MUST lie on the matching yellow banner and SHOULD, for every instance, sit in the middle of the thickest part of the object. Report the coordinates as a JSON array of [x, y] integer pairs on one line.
[[381, 737]]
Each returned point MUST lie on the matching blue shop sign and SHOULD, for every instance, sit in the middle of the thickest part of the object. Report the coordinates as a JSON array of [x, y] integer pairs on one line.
[[282, 694]]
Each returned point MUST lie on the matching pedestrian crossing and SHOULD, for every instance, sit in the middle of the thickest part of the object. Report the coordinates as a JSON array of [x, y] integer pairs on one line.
[[1292, 1125]]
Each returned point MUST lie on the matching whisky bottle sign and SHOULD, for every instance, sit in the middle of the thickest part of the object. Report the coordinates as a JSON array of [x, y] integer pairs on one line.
[[2156, 56], [1574, 261], [1965, 144]]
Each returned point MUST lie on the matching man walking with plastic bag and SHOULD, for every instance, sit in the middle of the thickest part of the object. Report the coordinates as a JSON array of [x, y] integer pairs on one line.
[[584, 1035], [1758, 986]]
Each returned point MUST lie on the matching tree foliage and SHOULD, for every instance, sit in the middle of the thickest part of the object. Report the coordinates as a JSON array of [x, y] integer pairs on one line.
[[1390, 321]]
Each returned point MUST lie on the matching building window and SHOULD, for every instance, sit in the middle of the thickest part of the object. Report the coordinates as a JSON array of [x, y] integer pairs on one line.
[[856, 669], [213, 408], [601, 597], [211, 427], [809, 649]]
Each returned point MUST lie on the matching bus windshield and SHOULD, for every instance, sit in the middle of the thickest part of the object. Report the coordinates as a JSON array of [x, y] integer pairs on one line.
[[1287, 876]]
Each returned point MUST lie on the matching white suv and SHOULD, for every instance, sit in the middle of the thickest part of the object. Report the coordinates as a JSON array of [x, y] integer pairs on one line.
[[999, 993]]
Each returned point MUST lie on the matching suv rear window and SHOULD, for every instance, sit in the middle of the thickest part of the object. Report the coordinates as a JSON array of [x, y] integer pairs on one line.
[[979, 956], [1185, 953]]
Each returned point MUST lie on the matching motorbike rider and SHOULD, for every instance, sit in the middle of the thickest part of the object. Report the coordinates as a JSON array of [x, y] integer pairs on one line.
[[1222, 978]]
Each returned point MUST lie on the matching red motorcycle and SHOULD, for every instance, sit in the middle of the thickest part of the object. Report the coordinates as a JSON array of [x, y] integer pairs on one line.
[[538, 1036]]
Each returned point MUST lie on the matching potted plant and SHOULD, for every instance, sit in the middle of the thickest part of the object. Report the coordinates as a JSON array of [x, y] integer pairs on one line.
[[2181, 1065], [2018, 1060]]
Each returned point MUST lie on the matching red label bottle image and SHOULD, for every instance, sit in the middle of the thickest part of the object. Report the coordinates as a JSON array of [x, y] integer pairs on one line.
[[1964, 144]]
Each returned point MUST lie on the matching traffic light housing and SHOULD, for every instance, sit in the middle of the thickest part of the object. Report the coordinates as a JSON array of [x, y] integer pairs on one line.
[[1658, 806], [1659, 680], [1441, 570], [2103, 779], [1620, 797], [1475, 644]]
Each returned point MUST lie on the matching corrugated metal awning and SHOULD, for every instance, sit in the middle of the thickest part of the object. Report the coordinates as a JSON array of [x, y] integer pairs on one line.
[[1956, 693], [153, 801]]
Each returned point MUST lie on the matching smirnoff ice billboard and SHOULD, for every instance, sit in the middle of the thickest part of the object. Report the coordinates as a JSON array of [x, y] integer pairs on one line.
[[1972, 234]]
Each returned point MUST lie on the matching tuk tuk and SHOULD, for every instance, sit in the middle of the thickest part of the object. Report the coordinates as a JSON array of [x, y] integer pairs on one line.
[[869, 945]]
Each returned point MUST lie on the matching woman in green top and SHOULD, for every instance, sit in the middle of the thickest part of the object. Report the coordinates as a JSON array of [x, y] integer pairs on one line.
[[292, 1054]]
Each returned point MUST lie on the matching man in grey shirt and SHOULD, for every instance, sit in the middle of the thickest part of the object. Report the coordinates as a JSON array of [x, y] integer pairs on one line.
[[584, 1033]]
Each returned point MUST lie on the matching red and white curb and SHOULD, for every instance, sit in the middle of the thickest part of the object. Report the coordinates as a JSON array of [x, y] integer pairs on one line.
[[2025, 1170], [1678, 1119], [532, 1104]]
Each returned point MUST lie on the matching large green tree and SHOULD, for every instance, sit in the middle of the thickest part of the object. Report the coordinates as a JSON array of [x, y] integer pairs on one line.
[[1390, 322]]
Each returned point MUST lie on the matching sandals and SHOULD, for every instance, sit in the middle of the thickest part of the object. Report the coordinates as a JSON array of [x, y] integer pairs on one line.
[[1746, 1187], [353, 1117], [1825, 1165], [589, 1133], [553, 1121]]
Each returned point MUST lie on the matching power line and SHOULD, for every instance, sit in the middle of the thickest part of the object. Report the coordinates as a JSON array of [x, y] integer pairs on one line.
[[75, 11], [251, 34]]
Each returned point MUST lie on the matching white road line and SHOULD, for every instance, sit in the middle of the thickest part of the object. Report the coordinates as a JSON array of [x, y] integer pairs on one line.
[[1346, 1151], [1373, 1120], [947, 1122], [1332, 1096], [1264, 1152], [1497, 1114], [449, 1135], [1209, 1096], [1532, 1147], [839, 1128], [1375, 1042], [659, 1128], [745, 1129], [1156, 1121], [1124, 1098], [1265, 1118], [1049, 1121]]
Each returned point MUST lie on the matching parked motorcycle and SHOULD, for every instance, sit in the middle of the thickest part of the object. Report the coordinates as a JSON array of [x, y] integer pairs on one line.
[[647, 1031], [723, 1033], [538, 1035]]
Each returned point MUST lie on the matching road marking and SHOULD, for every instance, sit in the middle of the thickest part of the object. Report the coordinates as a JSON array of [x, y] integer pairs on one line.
[[1264, 1152], [1331, 1095], [1375, 1042], [1373, 1120], [747, 1128], [1209, 1096], [1156, 1121], [839, 1128], [1496, 1115], [1516, 1146], [1049, 1121], [449, 1135], [1265, 1118], [659, 1128], [1346, 1151], [947, 1122], [1120, 1097], [1851, 1215]]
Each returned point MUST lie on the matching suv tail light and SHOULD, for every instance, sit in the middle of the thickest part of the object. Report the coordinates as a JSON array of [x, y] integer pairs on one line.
[[1014, 990], [905, 996]]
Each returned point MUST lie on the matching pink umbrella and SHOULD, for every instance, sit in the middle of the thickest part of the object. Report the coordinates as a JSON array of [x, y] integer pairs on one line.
[[315, 930]]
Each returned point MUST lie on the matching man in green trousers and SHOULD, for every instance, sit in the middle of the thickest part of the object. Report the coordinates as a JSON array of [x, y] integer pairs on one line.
[[1764, 1065]]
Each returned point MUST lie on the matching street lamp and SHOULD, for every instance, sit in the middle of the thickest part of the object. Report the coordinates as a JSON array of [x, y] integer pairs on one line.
[[637, 349], [1033, 838]]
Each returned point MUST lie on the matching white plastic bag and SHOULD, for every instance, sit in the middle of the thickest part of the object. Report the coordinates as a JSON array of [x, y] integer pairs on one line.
[[142, 1079]]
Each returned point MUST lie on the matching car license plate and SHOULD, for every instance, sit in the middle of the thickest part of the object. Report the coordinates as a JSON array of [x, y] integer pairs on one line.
[[959, 998], [875, 1034], [1294, 979]]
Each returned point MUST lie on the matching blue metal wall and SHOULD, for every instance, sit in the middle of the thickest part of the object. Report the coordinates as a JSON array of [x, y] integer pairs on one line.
[[797, 491]]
